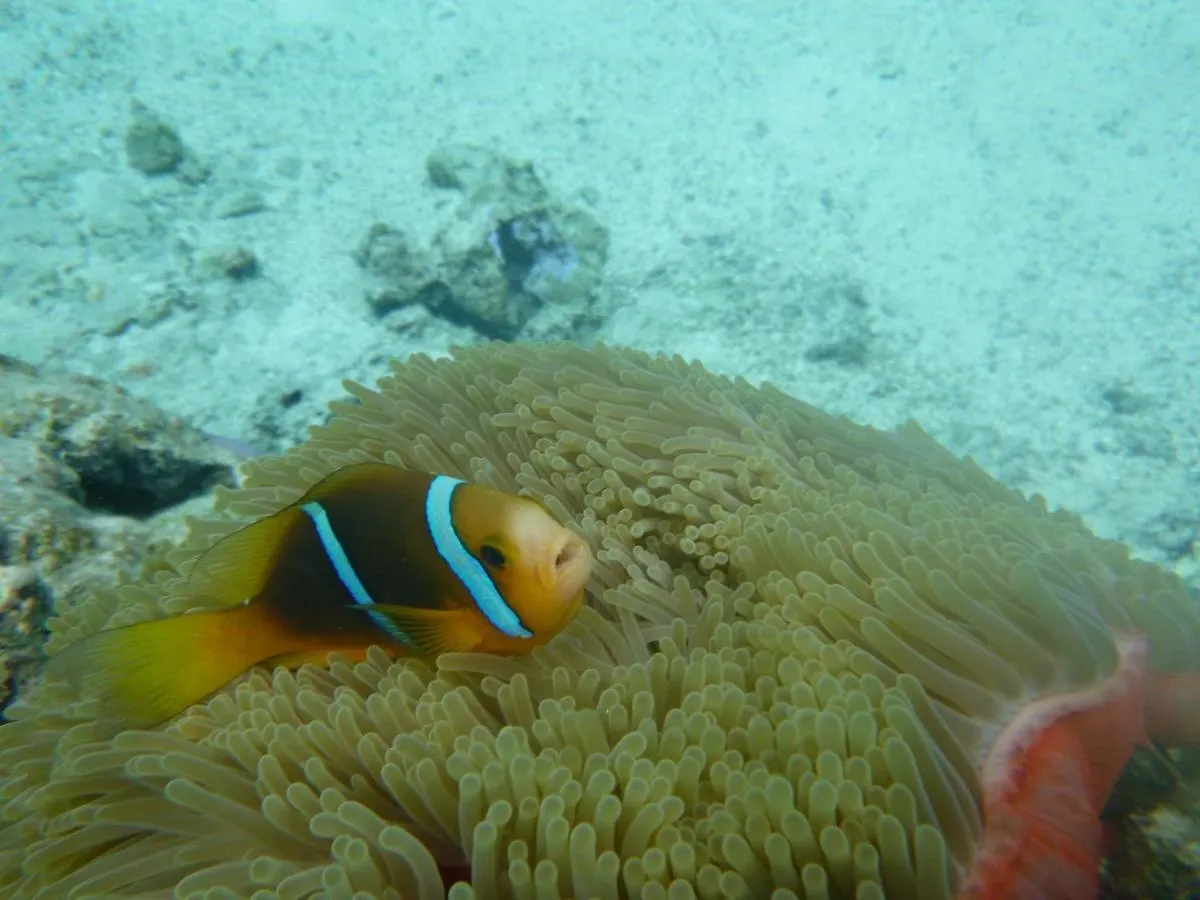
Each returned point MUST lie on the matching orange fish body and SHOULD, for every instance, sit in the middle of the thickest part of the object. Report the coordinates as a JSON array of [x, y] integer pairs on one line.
[[371, 555]]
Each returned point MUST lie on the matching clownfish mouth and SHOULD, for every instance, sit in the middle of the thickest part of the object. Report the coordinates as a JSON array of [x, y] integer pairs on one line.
[[569, 567]]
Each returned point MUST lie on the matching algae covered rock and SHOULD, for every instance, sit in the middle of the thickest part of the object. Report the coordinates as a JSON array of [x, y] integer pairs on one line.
[[510, 261], [484, 176], [514, 250], [402, 272]]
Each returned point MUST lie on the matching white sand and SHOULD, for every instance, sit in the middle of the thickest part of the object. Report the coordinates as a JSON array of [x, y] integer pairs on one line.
[[1014, 193]]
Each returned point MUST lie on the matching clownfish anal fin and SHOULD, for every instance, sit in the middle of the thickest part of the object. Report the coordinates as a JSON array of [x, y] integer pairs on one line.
[[428, 632], [237, 566]]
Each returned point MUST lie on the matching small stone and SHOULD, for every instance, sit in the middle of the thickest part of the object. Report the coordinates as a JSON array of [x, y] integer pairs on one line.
[[152, 146], [234, 262], [1124, 400], [245, 202]]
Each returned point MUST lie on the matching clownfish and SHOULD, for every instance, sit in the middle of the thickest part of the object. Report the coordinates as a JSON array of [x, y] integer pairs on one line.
[[371, 555]]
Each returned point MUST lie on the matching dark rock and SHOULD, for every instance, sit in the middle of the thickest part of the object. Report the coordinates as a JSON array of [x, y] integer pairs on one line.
[[1153, 818], [124, 455]]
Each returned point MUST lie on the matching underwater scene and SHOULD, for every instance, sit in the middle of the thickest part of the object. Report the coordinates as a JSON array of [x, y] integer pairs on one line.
[[599, 450]]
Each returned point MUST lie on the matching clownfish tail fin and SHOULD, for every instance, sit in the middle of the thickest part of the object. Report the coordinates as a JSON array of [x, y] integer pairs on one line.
[[147, 673]]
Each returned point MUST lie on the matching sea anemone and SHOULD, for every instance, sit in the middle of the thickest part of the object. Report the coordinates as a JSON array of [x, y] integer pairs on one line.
[[818, 660]]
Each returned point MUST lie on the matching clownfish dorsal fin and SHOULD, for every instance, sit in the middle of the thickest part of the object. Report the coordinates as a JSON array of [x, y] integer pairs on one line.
[[236, 567], [372, 474], [430, 632]]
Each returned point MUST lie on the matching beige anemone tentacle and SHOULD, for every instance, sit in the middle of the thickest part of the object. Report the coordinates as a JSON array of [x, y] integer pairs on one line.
[[802, 636]]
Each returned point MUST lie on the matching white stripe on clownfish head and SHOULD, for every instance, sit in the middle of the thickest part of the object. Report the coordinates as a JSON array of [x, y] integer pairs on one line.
[[463, 564], [345, 571]]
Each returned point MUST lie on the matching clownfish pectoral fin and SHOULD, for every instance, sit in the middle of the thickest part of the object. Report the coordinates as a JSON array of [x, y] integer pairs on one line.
[[429, 632], [147, 673], [236, 567]]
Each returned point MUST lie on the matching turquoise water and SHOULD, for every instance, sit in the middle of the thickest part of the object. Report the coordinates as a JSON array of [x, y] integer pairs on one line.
[[980, 215]]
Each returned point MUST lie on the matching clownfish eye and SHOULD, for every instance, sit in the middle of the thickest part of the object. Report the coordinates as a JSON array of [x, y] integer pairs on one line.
[[492, 556]]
